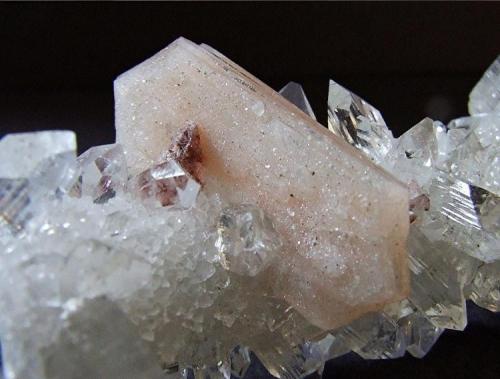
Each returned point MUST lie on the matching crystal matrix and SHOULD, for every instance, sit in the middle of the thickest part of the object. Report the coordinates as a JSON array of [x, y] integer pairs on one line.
[[230, 222]]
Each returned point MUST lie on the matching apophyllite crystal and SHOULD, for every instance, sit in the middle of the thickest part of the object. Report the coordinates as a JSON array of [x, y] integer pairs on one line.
[[226, 220]]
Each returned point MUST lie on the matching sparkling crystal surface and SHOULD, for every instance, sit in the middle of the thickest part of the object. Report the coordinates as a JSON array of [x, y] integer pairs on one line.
[[281, 160], [485, 96]]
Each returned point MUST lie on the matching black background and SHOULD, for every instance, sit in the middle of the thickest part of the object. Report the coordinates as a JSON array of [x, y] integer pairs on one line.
[[410, 60]]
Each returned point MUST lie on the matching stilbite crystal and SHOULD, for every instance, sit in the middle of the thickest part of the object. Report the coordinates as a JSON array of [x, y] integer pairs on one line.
[[330, 204]]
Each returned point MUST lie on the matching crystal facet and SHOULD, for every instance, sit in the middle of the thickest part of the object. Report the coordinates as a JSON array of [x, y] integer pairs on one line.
[[229, 222], [485, 96], [294, 93], [359, 123]]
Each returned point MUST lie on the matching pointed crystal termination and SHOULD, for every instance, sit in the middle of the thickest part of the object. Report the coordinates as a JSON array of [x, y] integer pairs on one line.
[[359, 123], [281, 160], [294, 93], [485, 96], [103, 172], [417, 153]]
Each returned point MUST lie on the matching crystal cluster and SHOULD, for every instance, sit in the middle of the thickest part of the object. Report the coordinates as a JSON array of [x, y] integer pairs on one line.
[[225, 221]]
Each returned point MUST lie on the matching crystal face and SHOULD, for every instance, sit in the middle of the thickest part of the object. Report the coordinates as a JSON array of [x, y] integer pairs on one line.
[[326, 199], [294, 93], [359, 123], [485, 96], [226, 222]]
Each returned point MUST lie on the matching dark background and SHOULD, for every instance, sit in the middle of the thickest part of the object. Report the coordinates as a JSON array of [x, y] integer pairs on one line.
[[410, 60]]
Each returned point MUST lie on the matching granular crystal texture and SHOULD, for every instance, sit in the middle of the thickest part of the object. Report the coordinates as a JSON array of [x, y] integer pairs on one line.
[[295, 94], [325, 198], [485, 96], [359, 123]]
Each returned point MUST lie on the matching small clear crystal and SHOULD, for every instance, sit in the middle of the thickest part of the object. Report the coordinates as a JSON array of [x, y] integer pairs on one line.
[[246, 241], [103, 172], [169, 184], [295, 94]]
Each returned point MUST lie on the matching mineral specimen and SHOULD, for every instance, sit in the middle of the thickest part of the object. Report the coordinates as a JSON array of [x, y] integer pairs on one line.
[[225, 221]]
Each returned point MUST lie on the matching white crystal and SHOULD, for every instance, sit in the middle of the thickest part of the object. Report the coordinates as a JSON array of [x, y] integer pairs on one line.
[[21, 153], [485, 96]]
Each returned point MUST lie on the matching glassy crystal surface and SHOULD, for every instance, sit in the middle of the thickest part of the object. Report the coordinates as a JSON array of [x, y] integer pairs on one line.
[[285, 163], [421, 334], [418, 153], [246, 240], [169, 184], [103, 172], [294, 93], [461, 215], [485, 96], [474, 150], [485, 288], [359, 123]]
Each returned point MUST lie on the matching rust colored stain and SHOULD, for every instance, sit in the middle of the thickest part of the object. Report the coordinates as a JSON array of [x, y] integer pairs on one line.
[[186, 150]]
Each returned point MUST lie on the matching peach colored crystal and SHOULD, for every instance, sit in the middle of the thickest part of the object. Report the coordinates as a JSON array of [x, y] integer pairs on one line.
[[344, 221]]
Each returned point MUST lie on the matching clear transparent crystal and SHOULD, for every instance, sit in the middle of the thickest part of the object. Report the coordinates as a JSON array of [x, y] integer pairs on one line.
[[295, 94], [474, 150], [103, 172], [169, 184], [247, 241], [485, 288], [359, 123]]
